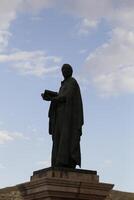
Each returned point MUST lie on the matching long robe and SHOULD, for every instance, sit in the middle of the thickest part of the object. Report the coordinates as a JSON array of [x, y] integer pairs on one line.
[[65, 124]]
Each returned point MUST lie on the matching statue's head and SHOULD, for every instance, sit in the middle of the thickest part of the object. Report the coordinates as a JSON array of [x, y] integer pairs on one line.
[[67, 71]]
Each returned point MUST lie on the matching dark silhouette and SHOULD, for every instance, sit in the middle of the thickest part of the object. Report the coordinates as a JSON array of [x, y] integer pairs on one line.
[[65, 121]]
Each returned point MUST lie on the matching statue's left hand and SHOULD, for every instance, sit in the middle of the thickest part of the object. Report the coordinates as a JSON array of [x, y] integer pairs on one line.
[[42, 94]]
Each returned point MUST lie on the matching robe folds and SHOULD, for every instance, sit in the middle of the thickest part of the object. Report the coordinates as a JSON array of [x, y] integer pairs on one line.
[[65, 124]]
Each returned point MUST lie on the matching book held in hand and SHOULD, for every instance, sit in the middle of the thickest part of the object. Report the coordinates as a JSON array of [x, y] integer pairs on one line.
[[48, 95]]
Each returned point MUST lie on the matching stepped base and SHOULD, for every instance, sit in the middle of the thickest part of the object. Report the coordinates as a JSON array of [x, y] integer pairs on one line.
[[63, 184]]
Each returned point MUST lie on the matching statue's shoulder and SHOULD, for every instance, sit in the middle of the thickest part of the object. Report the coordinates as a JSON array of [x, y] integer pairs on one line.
[[72, 80], [72, 83]]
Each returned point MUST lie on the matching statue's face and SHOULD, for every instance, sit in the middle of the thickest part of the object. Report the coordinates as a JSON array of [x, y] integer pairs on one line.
[[66, 71]]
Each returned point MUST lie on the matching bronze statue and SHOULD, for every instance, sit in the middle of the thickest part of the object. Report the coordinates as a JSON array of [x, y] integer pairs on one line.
[[65, 121]]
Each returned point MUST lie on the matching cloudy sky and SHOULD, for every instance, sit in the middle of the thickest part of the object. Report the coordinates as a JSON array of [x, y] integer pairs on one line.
[[97, 39]]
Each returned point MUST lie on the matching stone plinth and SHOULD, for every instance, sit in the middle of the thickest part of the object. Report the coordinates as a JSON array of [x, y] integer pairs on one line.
[[63, 184], [59, 184]]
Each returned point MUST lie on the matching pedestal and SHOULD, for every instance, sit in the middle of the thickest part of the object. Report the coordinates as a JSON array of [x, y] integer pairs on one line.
[[65, 184]]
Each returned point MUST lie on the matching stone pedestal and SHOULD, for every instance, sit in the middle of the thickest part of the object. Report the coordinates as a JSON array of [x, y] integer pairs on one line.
[[65, 184]]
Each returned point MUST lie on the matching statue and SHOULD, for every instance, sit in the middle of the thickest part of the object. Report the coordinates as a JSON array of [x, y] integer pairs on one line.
[[65, 121]]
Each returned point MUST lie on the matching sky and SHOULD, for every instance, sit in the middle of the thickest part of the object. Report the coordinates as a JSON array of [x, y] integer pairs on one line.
[[97, 38]]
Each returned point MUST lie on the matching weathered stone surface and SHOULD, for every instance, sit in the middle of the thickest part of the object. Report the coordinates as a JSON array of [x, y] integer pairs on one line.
[[15, 194], [118, 195], [12, 193], [59, 184], [65, 173]]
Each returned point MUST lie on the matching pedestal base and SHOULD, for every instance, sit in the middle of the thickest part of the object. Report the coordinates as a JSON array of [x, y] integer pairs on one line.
[[65, 184]]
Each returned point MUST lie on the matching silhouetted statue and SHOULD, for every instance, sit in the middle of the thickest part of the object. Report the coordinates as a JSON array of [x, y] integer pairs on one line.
[[65, 121]]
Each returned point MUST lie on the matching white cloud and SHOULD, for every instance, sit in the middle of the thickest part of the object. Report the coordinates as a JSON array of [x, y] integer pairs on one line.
[[89, 12], [4, 38], [115, 12], [9, 11], [7, 136], [34, 63], [85, 26], [83, 8], [92, 10], [7, 15], [35, 5], [111, 66]]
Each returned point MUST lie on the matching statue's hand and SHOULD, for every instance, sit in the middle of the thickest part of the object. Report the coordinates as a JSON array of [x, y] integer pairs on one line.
[[42, 94]]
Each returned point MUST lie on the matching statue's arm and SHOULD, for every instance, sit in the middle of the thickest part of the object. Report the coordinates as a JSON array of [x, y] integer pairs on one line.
[[59, 98]]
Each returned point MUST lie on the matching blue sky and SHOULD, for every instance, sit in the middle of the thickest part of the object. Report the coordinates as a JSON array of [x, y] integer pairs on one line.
[[97, 39]]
